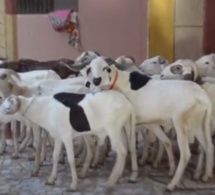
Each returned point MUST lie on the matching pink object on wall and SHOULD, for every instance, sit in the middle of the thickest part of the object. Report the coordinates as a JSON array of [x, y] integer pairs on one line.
[[106, 26]]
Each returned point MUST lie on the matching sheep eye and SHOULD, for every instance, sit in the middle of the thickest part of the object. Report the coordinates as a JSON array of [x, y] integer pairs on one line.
[[107, 69], [176, 69], [206, 62], [154, 63]]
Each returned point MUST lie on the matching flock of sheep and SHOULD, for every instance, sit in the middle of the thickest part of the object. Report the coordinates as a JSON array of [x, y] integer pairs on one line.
[[111, 103]]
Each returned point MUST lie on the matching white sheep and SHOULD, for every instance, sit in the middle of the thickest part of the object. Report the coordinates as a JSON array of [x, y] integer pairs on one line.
[[153, 65], [67, 115], [206, 65], [187, 69], [8, 86], [126, 63], [11, 85], [156, 101]]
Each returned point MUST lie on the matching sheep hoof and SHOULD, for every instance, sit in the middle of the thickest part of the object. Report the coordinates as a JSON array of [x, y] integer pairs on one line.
[[93, 165], [31, 158], [205, 178], [62, 162], [35, 174], [2, 152], [155, 165], [171, 173], [72, 188], [109, 190], [30, 146], [141, 161], [133, 177], [169, 188], [49, 183], [82, 175], [15, 156], [196, 177]]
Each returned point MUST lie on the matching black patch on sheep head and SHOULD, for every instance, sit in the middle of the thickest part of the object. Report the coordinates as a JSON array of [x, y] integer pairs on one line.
[[190, 77], [87, 84], [77, 116], [88, 70], [3, 76], [138, 80]]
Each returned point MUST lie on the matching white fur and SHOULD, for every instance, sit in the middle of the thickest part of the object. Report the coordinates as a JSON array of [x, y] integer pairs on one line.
[[153, 65], [109, 118], [160, 100], [206, 65]]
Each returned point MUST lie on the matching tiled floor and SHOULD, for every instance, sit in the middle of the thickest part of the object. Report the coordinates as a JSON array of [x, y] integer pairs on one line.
[[15, 180]]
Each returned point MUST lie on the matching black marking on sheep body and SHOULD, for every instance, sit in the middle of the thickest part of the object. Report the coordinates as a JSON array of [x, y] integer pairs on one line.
[[138, 80], [77, 116]]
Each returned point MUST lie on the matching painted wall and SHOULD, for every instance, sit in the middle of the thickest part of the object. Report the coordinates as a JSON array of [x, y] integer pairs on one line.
[[2, 30], [111, 28], [161, 28], [189, 19]]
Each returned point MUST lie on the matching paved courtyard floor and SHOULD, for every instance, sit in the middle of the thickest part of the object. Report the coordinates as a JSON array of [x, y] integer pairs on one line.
[[15, 180]]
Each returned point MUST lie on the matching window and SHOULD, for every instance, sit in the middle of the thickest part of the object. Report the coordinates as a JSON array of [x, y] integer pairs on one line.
[[66, 4], [44, 6], [34, 6]]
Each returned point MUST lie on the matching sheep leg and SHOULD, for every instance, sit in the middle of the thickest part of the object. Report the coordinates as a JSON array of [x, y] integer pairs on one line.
[[153, 150], [168, 147], [55, 156], [105, 150], [159, 154], [71, 159], [198, 169], [3, 139], [98, 147], [15, 143], [209, 151], [43, 150], [132, 147], [26, 140], [22, 133], [37, 146], [62, 157], [80, 148], [145, 152], [89, 156], [31, 143], [184, 154], [120, 149], [80, 160]]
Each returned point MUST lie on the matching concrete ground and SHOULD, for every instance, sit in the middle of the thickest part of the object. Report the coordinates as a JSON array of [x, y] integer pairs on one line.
[[15, 179]]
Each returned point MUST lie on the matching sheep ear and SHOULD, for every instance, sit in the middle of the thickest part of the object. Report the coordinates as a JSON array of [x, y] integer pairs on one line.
[[97, 53], [3, 76], [161, 60], [132, 58]]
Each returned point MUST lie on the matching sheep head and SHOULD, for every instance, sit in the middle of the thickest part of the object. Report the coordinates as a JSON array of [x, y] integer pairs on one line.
[[8, 81], [183, 69], [10, 105], [125, 60], [206, 65], [101, 73], [154, 65]]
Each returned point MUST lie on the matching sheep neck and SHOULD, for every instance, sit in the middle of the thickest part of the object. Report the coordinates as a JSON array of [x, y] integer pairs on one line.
[[122, 82]]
